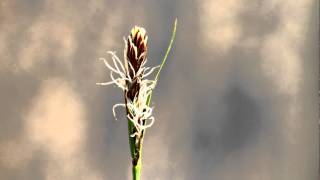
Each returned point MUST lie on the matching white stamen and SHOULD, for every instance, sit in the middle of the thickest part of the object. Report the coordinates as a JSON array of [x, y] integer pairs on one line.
[[118, 60], [114, 108], [138, 110], [150, 71], [105, 84], [108, 65]]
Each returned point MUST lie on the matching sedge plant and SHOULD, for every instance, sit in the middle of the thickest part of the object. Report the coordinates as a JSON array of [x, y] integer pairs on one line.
[[131, 76]]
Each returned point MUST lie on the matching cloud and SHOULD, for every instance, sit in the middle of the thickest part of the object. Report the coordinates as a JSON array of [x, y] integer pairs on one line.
[[56, 119], [282, 58], [48, 38], [219, 25], [56, 123], [233, 101], [16, 153]]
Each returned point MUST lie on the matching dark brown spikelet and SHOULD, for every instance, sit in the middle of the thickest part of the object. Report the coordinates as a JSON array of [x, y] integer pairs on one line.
[[136, 53], [136, 50]]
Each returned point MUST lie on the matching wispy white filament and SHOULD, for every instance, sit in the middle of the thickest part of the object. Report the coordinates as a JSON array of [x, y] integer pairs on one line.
[[139, 113]]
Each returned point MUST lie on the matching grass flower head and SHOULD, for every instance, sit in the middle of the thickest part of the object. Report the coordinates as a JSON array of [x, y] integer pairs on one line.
[[130, 75]]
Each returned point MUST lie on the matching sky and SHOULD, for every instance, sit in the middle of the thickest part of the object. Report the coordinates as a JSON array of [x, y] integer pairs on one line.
[[237, 98]]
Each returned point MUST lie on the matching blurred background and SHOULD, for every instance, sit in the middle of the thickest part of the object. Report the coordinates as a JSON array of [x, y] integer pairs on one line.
[[237, 99]]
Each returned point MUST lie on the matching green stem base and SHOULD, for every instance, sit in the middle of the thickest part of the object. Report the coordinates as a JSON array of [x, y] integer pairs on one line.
[[136, 171]]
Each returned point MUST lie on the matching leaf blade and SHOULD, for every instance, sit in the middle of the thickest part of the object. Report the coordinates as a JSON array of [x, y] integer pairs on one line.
[[164, 58]]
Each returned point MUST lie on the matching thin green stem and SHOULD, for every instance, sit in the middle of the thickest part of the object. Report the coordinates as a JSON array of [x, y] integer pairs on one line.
[[131, 139], [136, 170], [164, 58], [168, 49]]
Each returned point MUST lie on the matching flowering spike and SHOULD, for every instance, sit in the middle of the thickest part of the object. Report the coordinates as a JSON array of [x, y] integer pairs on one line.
[[129, 75]]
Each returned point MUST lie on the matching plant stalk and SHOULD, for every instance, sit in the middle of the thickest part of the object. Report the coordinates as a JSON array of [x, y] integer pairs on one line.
[[136, 170], [134, 149]]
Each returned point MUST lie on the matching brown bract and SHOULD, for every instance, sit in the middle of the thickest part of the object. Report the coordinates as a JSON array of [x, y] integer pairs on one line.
[[136, 53], [136, 49]]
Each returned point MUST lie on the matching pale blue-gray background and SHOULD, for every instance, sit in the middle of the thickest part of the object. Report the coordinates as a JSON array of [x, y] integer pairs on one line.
[[236, 100]]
